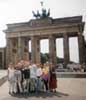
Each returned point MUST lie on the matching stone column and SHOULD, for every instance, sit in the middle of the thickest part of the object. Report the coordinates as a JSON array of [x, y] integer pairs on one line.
[[14, 50], [20, 48], [81, 49], [52, 50], [26, 49], [35, 49], [38, 50], [66, 49], [8, 51]]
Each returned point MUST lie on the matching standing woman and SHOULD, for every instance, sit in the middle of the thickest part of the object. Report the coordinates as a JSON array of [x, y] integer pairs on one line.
[[26, 74], [33, 77], [53, 80], [11, 79], [46, 76], [18, 76], [39, 80]]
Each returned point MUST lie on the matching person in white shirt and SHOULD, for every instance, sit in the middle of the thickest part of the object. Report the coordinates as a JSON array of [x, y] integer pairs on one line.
[[39, 80], [33, 77], [11, 79]]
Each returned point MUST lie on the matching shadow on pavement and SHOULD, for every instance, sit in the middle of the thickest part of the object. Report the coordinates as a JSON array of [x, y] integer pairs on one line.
[[41, 94]]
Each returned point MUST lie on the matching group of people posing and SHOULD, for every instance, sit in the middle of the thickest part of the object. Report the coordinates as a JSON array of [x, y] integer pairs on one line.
[[25, 77]]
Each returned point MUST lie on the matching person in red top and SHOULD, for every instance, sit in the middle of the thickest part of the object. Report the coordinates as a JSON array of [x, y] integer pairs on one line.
[[53, 80]]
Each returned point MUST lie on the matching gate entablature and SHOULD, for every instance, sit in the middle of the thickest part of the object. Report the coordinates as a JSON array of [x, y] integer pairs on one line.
[[46, 26]]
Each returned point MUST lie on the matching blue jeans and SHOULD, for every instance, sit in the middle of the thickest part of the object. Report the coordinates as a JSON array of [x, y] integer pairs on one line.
[[39, 84]]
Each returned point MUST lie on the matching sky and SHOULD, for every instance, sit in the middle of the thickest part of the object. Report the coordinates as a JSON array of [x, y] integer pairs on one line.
[[14, 11]]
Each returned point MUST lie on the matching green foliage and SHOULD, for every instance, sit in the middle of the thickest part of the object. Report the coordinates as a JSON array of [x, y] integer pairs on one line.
[[44, 58]]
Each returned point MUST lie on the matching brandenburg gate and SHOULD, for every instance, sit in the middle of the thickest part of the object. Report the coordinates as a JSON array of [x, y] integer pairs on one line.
[[18, 35]]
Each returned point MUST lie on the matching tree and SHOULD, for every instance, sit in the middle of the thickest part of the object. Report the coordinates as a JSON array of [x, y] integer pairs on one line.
[[44, 58]]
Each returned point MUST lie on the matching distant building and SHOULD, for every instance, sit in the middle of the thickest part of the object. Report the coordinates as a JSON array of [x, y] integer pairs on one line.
[[2, 58]]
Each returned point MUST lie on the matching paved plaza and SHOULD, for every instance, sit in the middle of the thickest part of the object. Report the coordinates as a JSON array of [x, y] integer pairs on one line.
[[3, 76], [3, 73], [68, 89]]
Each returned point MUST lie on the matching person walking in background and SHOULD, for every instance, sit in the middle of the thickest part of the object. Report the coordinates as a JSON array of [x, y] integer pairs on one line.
[[11, 79]]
